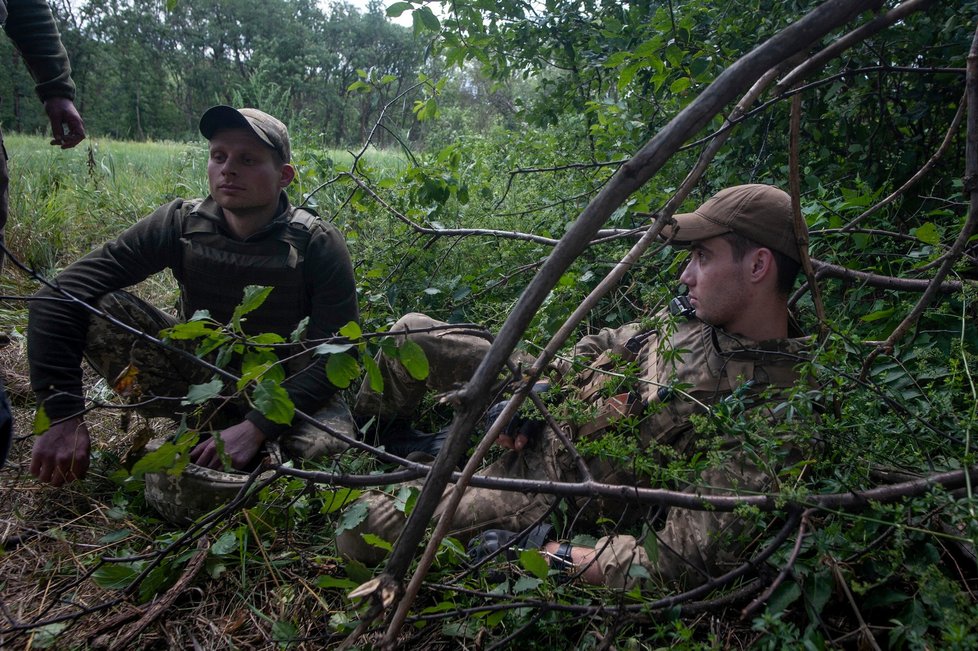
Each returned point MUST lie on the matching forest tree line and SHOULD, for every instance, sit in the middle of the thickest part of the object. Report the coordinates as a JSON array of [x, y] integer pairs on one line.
[[146, 69]]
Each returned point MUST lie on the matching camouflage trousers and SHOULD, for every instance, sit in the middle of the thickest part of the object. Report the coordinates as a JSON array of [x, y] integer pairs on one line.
[[480, 508], [692, 546], [155, 379], [453, 355]]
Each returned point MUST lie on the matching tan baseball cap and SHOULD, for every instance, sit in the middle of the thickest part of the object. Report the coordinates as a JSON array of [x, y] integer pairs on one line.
[[270, 130], [761, 213]]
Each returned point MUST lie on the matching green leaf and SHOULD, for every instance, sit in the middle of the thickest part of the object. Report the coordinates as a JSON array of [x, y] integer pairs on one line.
[[413, 359], [352, 517], [398, 8], [534, 563], [114, 576], [352, 331], [376, 541], [300, 330], [171, 457], [680, 85], [273, 402], [927, 233], [525, 584], [335, 500], [42, 422], [327, 581], [156, 581], [189, 330], [358, 572], [358, 85], [254, 296], [200, 393], [259, 365], [227, 543], [342, 369], [406, 498], [818, 590], [651, 545], [637, 571], [373, 375], [427, 18], [783, 597], [876, 316], [426, 110], [267, 339], [493, 619], [46, 636], [331, 349], [284, 631], [115, 536]]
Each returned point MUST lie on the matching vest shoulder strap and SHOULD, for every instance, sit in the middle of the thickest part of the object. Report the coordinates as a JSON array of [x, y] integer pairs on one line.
[[302, 224]]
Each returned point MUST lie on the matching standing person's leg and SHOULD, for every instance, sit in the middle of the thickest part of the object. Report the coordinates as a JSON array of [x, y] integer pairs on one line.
[[6, 426], [4, 197], [6, 418]]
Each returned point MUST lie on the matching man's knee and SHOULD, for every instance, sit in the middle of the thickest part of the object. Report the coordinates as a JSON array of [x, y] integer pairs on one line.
[[415, 321], [383, 521]]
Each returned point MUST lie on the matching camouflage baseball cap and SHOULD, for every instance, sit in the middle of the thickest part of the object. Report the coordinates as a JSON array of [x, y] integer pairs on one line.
[[761, 213], [270, 130]]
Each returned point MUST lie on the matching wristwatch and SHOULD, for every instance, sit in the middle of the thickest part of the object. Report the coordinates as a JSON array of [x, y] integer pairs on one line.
[[562, 560]]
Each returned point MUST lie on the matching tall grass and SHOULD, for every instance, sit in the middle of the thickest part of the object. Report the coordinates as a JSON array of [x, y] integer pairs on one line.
[[64, 203]]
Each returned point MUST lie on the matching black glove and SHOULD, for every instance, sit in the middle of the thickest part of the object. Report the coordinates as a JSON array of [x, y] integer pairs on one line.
[[492, 540], [529, 427]]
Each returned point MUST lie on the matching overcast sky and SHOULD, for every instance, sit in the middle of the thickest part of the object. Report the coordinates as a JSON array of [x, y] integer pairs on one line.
[[403, 19]]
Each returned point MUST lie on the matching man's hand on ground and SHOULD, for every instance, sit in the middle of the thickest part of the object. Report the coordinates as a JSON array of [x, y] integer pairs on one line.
[[61, 454], [521, 429], [241, 444]]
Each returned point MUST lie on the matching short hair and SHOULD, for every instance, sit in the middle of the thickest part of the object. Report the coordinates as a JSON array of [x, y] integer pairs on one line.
[[787, 267]]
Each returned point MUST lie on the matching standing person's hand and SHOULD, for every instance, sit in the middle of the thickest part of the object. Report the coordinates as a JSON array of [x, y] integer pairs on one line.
[[67, 126], [61, 454], [241, 444]]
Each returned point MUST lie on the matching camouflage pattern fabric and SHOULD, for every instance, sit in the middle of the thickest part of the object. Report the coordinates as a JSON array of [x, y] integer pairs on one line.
[[694, 545], [146, 374], [683, 368], [480, 508], [157, 379], [453, 356]]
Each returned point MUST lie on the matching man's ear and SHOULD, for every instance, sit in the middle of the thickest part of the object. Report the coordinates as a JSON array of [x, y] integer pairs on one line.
[[288, 175], [762, 264]]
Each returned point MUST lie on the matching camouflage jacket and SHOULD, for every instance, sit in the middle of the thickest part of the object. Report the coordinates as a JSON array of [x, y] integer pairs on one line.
[[678, 370], [683, 369]]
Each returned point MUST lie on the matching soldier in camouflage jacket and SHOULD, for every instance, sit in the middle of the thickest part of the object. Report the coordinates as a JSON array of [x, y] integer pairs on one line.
[[743, 262]]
